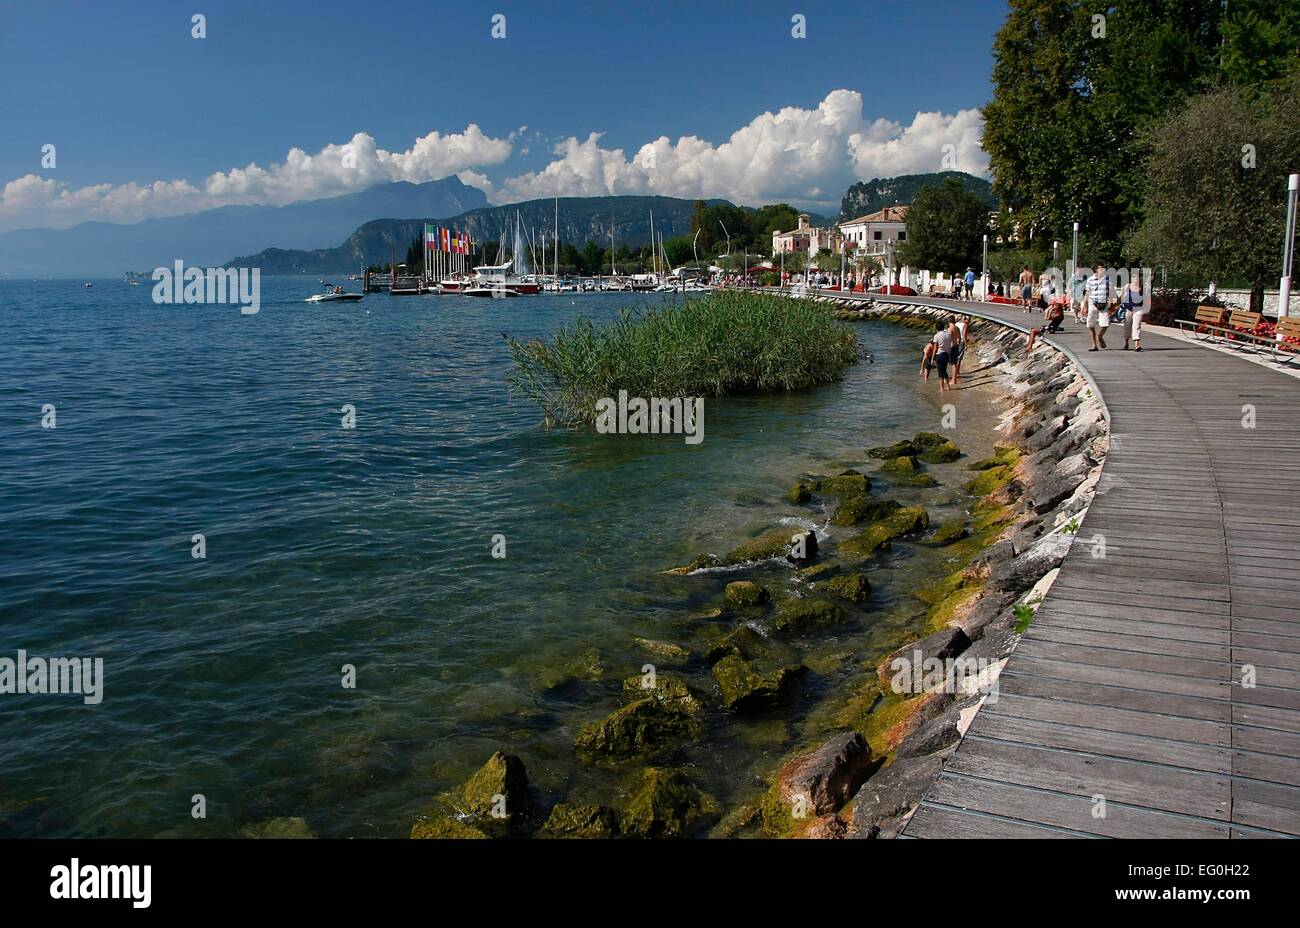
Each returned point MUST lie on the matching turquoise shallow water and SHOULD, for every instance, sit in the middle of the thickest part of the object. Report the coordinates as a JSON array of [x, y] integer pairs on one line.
[[369, 547]]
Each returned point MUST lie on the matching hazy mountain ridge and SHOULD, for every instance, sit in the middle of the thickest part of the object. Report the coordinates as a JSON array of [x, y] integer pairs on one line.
[[210, 237], [582, 219]]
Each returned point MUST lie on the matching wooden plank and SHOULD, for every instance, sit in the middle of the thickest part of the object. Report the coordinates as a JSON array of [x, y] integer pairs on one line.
[[942, 822]]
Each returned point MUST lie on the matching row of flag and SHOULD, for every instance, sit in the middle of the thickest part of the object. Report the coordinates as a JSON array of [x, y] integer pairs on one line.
[[440, 239]]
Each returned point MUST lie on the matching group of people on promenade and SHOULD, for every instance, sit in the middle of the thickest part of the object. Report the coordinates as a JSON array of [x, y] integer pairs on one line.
[[1094, 300], [945, 350]]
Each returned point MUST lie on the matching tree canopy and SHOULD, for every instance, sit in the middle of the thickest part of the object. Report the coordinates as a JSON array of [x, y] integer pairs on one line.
[[945, 228]]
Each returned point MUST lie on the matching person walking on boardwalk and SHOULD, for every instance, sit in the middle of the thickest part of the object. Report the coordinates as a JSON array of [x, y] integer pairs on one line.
[[1026, 289], [1098, 295], [942, 341], [970, 283], [1132, 303]]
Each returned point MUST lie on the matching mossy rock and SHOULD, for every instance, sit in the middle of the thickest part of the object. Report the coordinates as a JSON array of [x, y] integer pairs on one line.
[[855, 587], [744, 688], [987, 516], [854, 510], [499, 786], [643, 727], [668, 805], [588, 668], [989, 480], [848, 481], [568, 820], [943, 453], [908, 520], [670, 692], [952, 530], [924, 481], [699, 562], [903, 464], [904, 448], [773, 543], [665, 649], [799, 493], [744, 594], [928, 440], [446, 828], [744, 641], [1002, 455], [801, 616], [279, 828]]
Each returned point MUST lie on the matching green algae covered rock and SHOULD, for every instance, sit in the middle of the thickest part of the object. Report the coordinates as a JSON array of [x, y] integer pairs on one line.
[[498, 789], [848, 481], [569, 820], [665, 649], [918, 480], [670, 692], [743, 594], [989, 480], [908, 520], [279, 828], [743, 641], [854, 510], [1002, 455], [799, 493], [446, 828], [943, 453], [801, 616], [772, 543], [948, 532], [668, 805], [903, 464], [856, 587], [699, 562], [588, 667], [898, 449], [744, 688], [645, 726]]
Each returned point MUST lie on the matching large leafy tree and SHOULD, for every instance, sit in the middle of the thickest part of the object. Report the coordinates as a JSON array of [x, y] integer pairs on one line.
[[1070, 94], [945, 228], [1216, 185], [1261, 41]]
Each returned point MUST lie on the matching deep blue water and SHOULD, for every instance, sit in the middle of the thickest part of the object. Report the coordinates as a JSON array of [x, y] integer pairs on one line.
[[369, 547]]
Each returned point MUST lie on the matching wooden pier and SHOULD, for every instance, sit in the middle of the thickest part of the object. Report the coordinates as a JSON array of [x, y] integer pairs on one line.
[[1157, 691]]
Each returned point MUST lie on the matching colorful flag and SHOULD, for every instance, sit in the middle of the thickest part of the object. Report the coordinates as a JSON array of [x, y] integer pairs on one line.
[[429, 238]]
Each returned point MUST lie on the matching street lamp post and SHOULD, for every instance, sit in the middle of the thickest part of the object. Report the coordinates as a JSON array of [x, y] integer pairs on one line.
[[1288, 248], [1074, 267], [984, 271]]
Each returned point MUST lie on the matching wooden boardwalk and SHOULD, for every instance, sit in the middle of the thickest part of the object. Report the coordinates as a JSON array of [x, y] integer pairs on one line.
[[1131, 686]]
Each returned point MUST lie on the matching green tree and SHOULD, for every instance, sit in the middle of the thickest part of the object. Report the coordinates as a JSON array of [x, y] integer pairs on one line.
[[1216, 186], [945, 228], [1071, 94], [1261, 40]]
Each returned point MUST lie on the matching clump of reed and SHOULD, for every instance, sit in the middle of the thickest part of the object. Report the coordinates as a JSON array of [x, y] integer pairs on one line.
[[722, 344]]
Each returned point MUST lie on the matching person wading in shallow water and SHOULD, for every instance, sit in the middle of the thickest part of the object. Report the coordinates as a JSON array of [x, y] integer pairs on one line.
[[942, 341], [927, 361], [959, 329]]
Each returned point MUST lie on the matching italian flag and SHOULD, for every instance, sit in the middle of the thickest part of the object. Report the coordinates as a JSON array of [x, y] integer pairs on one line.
[[430, 237]]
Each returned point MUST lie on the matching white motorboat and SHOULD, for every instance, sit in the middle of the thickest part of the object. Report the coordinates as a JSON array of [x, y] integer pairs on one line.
[[498, 292], [335, 296]]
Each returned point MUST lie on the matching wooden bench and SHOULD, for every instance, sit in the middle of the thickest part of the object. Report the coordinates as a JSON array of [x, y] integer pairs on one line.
[[1207, 317], [1282, 350]]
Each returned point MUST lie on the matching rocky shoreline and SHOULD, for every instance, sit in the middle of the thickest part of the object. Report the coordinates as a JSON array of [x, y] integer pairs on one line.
[[750, 656]]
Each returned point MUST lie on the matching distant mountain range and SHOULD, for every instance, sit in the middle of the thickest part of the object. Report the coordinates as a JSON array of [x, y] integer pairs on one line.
[[873, 195], [582, 219], [210, 237]]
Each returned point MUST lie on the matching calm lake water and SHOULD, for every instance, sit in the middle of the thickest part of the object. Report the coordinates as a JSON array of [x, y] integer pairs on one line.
[[372, 547]]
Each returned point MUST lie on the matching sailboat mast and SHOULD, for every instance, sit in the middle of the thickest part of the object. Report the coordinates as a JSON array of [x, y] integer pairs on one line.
[[557, 239]]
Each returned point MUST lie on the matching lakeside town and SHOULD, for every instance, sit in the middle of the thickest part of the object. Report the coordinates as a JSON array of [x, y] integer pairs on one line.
[[904, 452]]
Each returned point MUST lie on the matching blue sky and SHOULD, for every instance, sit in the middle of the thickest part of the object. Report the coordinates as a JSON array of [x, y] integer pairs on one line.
[[128, 96]]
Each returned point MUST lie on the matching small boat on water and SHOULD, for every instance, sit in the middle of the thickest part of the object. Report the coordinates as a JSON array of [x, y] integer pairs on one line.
[[494, 291], [335, 295], [89, 286]]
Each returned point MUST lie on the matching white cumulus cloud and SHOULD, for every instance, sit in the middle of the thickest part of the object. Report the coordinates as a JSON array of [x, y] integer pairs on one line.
[[335, 169], [806, 156]]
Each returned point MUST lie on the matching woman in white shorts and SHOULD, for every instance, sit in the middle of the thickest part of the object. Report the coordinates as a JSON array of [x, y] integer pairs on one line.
[[1135, 311]]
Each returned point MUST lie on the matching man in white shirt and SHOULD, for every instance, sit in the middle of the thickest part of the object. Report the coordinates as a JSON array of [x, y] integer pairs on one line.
[[1098, 295]]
